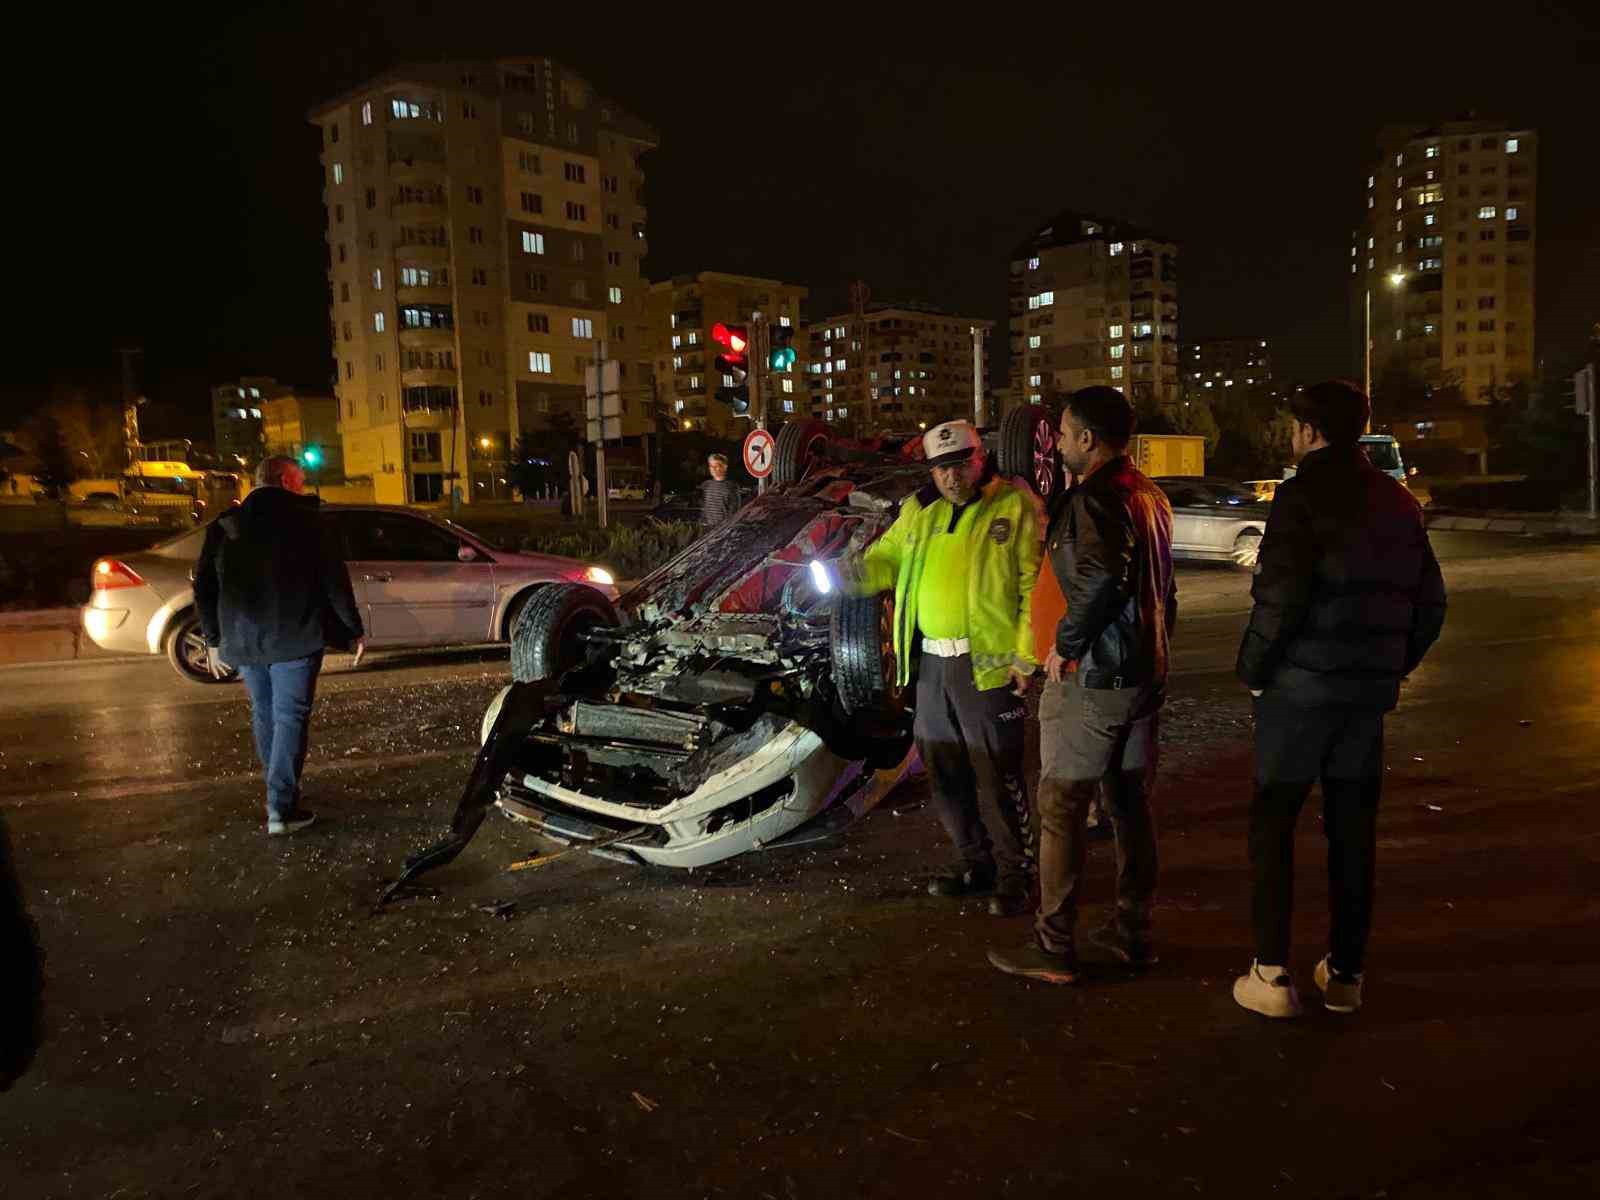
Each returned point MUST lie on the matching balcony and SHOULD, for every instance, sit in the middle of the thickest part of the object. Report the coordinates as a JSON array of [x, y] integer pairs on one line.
[[428, 377]]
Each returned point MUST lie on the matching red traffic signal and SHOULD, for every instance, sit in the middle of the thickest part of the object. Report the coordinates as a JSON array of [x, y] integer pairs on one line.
[[734, 337]]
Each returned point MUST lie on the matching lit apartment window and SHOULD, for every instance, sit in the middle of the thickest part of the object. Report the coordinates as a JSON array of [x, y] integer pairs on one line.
[[788, 405], [1033, 341], [532, 243], [784, 321], [1511, 145], [582, 327], [694, 383], [677, 340], [1372, 181], [1399, 203], [693, 337], [1033, 381], [1033, 264], [1142, 329], [1431, 196], [338, 173], [1431, 152], [1399, 247], [788, 385], [1116, 373], [1370, 203], [677, 362], [366, 112], [1511, 214], [839, 364], [1046, 299], [727, 381], [1430, 218], [1118, 350], [828, 367], [1034, 398], [1487, 212], [674, 320], [377, 322], [539, 362], [1399, 159], [1113, 332], [1369, 243]]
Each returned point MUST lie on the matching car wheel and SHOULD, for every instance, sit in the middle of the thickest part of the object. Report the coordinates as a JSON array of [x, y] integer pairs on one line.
[[1027, 449], [514, 609], [547, 638], [861, 635], [800, 444], [186, 651], [1246, 548]]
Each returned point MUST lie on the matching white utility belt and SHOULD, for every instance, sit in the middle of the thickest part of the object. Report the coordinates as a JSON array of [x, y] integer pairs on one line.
[[946, 647]]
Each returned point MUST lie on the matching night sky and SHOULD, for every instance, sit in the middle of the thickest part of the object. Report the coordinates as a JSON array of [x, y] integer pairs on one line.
[[176, 200]]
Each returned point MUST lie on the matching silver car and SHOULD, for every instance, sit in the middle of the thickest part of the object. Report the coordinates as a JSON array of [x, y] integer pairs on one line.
[[1215, 519], [418, 582]]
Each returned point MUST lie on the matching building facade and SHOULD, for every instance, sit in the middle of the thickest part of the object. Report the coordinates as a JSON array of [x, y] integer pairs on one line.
[[1094, 302], [486, 227], [1217, 368], [236, 416], [680, 313], [1442, 265], [896, 368], [295, 422]]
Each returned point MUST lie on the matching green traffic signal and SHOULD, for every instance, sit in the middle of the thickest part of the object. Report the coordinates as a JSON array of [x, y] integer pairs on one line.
[[311, 457], [783, 358]]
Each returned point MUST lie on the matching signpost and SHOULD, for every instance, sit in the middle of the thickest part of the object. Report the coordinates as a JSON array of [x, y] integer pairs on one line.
[[759, 450], [603, 409]]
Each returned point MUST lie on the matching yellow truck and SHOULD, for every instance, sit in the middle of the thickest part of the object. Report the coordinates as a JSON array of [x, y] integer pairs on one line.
[[1169, 454]]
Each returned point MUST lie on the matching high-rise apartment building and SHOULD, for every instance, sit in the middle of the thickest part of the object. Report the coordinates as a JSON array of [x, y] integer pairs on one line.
[[1442, 266], [1094, 302], [680, 313], [896, 367], [1216, 367], [485, 229]]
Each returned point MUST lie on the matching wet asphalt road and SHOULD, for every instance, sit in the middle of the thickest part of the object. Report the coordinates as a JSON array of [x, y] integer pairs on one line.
[[227, 1020]]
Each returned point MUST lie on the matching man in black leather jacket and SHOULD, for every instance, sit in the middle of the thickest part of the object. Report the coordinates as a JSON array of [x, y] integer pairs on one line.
[[1348, 599], [1109, 544]]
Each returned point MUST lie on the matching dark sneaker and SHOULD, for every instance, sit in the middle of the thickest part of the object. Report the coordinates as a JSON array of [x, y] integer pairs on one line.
[[281, 824], [971, 882], [1034, 962], [1118, 942], [1010, 900]]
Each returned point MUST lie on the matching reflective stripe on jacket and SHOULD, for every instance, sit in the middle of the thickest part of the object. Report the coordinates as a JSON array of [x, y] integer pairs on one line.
[[1006, 542]]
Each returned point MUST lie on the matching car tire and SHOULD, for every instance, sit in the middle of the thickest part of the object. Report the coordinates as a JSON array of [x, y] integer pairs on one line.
[[1026, 450], [514, 609], [186, 651], [799, 445], [546, 640], [1246, 548], [861, 639]]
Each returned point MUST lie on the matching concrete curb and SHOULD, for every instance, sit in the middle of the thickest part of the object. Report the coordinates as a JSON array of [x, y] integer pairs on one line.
[[43, 635], [1497, 521]]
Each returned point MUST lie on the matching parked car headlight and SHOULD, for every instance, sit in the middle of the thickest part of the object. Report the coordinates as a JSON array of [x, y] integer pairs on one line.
[[601, 576]]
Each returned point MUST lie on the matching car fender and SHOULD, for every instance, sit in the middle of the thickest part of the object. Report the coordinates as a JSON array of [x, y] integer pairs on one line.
[[155, 633]]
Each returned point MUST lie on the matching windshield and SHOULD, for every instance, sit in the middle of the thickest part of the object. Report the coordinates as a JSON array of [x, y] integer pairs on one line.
[[1385, 455]]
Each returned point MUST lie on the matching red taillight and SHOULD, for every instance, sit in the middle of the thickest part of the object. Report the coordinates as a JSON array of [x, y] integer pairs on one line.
[[108, 573]]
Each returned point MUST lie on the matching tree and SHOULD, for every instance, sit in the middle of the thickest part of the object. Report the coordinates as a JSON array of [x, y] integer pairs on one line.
[[42, 437], [1194, 417]]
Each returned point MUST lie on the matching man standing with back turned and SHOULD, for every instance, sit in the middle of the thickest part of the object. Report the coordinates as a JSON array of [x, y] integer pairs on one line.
[[1348, 598], [1109, 544], [270, 595]]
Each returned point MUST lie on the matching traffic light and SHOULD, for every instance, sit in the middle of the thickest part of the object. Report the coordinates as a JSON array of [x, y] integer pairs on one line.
[[733, 364], [311, 457], [782, 357]]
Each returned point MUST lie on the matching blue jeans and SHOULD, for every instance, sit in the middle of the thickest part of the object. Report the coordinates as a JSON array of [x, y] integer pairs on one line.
[[281, 695]]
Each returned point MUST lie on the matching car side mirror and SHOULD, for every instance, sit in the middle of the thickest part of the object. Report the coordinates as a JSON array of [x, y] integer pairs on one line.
[[466, 554]]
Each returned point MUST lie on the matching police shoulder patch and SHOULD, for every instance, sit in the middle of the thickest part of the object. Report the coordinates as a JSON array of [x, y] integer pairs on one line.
[[1000, 530]]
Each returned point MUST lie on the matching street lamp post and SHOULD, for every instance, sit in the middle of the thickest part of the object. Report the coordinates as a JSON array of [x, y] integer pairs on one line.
[[1396, 278]]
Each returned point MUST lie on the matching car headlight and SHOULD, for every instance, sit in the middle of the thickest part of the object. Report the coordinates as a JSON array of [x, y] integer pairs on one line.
[[601, 576]]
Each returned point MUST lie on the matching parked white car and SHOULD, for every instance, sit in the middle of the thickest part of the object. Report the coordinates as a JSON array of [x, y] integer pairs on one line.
[[418, 581]]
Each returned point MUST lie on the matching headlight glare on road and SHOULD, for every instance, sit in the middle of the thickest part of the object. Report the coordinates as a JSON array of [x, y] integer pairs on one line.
[[820, 579], [599, 575]]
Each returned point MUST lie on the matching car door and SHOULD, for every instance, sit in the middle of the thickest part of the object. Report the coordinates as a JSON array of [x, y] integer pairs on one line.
[[1186, 514], [336, 544], [418, 591]]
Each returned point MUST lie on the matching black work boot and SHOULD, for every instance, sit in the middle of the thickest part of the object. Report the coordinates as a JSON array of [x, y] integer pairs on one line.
[[1011, 898], [972, 881], [1131, 947]]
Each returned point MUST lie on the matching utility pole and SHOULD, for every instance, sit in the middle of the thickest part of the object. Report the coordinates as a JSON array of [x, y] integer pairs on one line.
[[600, 443], [1583, 390], [759, 351], [980, 410], [860, 294]]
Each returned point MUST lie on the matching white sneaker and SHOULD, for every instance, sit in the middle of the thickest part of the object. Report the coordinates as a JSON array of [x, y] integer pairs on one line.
[[291, 822], [1341, 993], [1267, 990]]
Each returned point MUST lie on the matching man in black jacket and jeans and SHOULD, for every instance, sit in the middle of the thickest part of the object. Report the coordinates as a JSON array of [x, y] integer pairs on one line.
[[1348, 598], [271, 594], [1109, 543]]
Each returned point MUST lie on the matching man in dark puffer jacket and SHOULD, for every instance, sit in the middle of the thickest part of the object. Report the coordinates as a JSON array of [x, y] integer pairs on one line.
[[270, 592], [1348, 598]]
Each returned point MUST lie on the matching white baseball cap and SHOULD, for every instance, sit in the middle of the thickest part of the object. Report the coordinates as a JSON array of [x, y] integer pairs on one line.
[[952, 442]]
